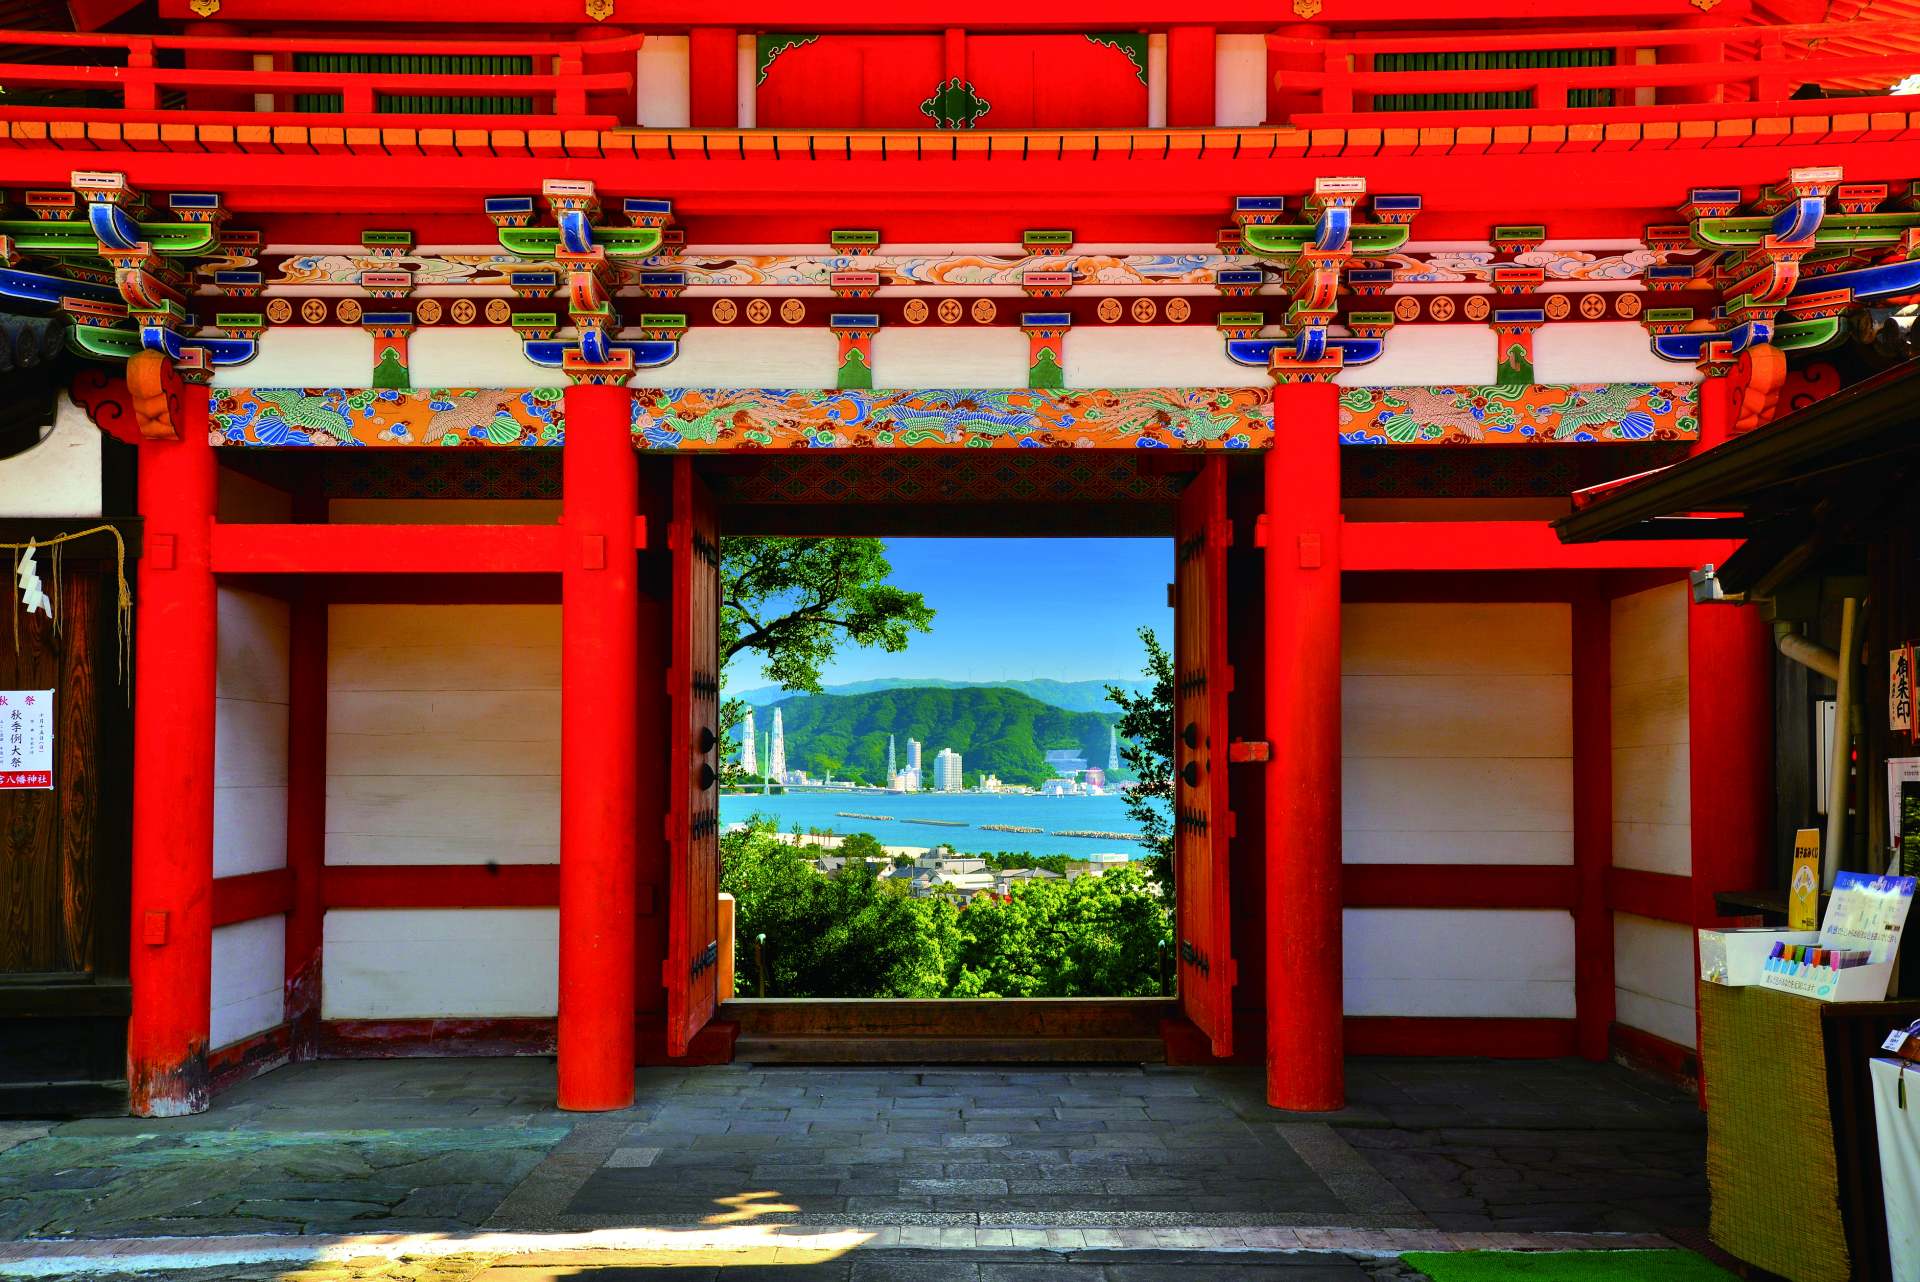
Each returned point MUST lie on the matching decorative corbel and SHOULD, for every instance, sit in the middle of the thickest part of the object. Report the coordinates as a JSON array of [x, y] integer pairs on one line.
[[855, 330], [1046, 360]]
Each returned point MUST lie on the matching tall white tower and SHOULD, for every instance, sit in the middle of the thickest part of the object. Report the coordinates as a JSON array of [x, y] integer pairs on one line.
[[913, 754], [777, 755], [891, 768], [749, 746], [1113, 749]]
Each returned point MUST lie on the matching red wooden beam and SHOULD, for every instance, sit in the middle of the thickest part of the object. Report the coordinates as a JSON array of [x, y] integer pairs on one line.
[[441, 886], [1458, 886], [1661, 896], [1511, 545], [252, 895], [386, 549], [1480, 1038]]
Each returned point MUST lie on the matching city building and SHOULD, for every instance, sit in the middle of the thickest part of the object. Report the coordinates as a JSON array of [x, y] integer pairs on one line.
[[1279, 275], [1095, 779], [749, 748], [990, 783], [947, 775], [892, 769], [1113, 749], [1066, 762]]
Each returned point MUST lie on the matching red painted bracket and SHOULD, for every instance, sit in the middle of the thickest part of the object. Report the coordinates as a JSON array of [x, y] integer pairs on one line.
[[1248, 750]]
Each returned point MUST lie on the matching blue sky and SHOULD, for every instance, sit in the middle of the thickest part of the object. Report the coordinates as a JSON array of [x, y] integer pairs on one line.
[[1013, 608]]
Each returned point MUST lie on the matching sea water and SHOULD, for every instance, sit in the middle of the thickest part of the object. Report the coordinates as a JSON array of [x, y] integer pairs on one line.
[[812, 809]]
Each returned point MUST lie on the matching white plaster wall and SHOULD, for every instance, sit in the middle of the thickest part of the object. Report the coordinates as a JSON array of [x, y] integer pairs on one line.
[[443, 734], [58, 477], [1601, 352], [1652, 807], [937, 356], [1457, 733], [1459, 962], [663, 83], [320, 356], [1418, 355], [249, 988], [1154, 356], [1240, 80], [477, 357], [747, 355], [250, 735], [394, 963], [1653, 976]]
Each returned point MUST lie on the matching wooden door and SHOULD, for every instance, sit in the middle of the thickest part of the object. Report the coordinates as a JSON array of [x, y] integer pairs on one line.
[[1202, 821], [693, 930]]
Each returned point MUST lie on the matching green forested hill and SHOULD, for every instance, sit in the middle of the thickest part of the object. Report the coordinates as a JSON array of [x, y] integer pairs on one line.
[[997, 731]]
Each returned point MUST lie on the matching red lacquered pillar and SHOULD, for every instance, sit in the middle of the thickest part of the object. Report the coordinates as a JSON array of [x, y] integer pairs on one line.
[[173, 680], [598, 733], [1302, 540]]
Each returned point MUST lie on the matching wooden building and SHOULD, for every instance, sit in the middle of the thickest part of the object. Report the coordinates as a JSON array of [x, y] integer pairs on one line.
[[425, 361]]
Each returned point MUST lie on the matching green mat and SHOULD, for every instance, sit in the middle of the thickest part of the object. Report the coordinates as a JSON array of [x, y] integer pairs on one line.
[[1566, 1266]]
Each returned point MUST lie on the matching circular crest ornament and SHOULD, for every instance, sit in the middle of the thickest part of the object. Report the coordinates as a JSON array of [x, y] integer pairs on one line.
[[1626, 305], [1109, 310], [347, 310], [463, 311], [1144, 310], [1178, 310], [313, 311], [280, 311], [984, 311], [759, 311], [428, 312], [725, 310], [1477, 308], [499, 312], [793, 311], [916, 311], [1593, 306], [949, 311], [1407, 309], [1440, 307], [1558, 307]]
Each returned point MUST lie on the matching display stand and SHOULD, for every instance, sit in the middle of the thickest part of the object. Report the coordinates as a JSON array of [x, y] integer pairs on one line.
[[1791, 1156]]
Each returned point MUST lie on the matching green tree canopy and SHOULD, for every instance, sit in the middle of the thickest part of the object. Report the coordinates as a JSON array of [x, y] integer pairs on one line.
[[1146, 748], [792, 602]]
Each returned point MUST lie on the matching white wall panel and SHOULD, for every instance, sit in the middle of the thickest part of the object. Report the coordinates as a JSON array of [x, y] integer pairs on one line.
[[663, 73], [321, 356], [1653, 975], [937, 356], [249, 979], [1154, 356], [419, 963], [747, 355], [1457, 734], [1601, 352], [1652, 807], [61, 475], [476, 356], [1510, 963], [1418, 355], [443, 734], [250, 734], [1240, 80]]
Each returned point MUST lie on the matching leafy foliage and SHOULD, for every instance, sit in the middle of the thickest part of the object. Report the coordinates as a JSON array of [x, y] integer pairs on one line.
[[996, 730], [1146, 748], [1083, 937]]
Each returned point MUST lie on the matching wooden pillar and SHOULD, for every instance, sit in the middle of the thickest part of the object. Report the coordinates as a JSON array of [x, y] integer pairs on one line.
[[1716, 414], [1593, 982], [621, 104], [1190, 75], [598, 734], [1730, 751], [1302, 541], [175, 659], [653, 870], [713, 78], [1283, 103]]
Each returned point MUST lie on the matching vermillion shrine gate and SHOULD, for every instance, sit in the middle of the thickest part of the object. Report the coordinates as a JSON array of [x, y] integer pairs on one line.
[[444, 386]]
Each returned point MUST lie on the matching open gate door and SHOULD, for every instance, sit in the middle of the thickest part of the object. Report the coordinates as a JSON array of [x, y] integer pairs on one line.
[[693, 912], [1202, 821]]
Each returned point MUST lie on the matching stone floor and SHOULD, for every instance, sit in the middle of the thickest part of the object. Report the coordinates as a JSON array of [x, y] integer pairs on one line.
[[995, 1164]]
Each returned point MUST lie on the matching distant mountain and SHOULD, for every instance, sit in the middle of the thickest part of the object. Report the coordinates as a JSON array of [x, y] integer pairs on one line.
[[1074, 696], [995, 730]]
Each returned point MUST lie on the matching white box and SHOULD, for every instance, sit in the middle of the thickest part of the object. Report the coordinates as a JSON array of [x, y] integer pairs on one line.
[[1825, 984], [1735, 958]]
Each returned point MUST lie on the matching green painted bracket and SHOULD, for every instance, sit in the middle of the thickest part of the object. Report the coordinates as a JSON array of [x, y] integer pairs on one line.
[[239, 320], [1287, 241], [663, 320], [68, 239], [1806, 335], [544, 242], [108, 344], [1669, 315], [1835, 229]]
